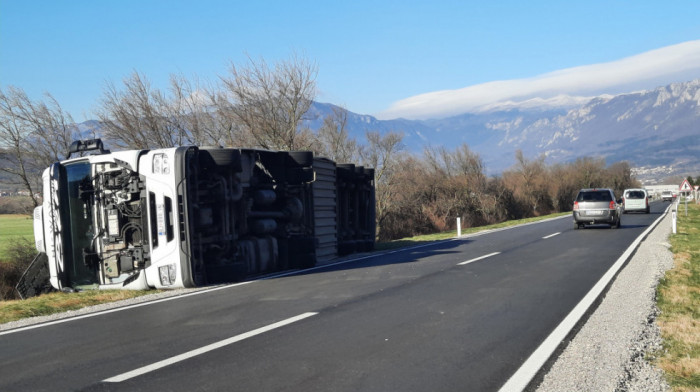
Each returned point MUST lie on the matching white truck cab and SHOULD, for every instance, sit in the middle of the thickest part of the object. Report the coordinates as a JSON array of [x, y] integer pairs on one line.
[[190, 216]]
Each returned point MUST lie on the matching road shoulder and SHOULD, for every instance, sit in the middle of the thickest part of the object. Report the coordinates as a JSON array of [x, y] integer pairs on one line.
[[609, 351]]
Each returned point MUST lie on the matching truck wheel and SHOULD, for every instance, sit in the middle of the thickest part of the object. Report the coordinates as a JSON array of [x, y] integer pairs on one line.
[[302, 158], [299, 175], [225, 157], [576, 226]]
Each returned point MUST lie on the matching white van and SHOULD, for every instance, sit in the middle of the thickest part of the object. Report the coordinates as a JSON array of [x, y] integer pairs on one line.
[[635, 200]]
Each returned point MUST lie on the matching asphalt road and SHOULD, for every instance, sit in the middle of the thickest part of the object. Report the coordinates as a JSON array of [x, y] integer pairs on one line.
[[456, 315]]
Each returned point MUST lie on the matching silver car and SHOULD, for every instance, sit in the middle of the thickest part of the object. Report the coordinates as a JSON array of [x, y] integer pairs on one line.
[[635, 200], [596, 206]]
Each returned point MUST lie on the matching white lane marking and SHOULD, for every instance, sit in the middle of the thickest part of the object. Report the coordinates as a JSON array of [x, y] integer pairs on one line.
[[479, 258], [280, 275], [551, 235], [146, 303], [532, 365], [206, 349]]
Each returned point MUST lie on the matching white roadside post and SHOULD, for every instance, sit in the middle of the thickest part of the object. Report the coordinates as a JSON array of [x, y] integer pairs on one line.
[[673, 217], [459, 227]]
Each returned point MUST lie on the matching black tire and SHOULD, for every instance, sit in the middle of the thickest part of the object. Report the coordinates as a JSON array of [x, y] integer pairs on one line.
[[576, 226], [302, 158], [225, 157], [299, 175]]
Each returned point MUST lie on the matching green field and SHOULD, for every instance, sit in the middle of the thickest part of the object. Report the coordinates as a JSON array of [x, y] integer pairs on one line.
[[12, 228], [679, 303]]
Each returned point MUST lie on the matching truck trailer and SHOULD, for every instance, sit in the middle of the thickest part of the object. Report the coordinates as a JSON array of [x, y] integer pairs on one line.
[[195, 216]]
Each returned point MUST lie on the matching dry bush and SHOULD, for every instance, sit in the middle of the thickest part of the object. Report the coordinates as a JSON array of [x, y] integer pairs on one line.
[[18, 257], [16, 205]]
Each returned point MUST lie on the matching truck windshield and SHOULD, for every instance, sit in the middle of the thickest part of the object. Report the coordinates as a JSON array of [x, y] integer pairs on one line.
[[76, 214]]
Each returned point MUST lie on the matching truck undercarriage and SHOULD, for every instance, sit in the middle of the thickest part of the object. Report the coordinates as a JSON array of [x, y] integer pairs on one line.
[[191, 216]]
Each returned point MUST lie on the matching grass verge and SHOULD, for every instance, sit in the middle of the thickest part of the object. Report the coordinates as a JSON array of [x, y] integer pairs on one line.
[[678, 296], [60, 302], [421, 239]]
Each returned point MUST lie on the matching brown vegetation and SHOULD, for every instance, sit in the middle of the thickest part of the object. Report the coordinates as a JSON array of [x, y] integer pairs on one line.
[[678, 299], [426, 194], [18, 256], [261, 106], [16, 205]]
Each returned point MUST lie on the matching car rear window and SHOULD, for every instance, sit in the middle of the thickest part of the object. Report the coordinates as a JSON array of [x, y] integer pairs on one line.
[[635, 195], [594, 196]]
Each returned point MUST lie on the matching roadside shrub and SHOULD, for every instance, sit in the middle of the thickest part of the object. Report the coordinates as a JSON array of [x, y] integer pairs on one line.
[[19, 255], [16, 205]]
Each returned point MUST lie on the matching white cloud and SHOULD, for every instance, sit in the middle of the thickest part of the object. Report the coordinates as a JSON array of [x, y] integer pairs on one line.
[[647, 70]]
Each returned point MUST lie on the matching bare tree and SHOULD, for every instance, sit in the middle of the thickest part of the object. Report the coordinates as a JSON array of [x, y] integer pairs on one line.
[[458, 187], [383, 153], [231, 132], [460, 162], [269, 103], [620, 177], [334, 140], [531, 183], [191, 110], [54, 131], [32, 136], [590, 172], [138, 116]]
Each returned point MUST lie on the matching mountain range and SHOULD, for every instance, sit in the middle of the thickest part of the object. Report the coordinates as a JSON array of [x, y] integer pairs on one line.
[[656, 131]]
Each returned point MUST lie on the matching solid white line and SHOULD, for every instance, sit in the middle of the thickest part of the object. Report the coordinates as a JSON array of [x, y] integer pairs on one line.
[[483, 232], [283, 274], [522, 377], [550, 236], [119, 309], [479, 258], [206, 349]]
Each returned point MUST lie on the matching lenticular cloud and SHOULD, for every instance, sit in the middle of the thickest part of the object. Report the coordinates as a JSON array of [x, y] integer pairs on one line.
[[675, 63]]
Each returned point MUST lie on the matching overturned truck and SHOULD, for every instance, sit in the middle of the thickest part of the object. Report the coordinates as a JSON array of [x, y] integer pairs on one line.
[[195, 216]]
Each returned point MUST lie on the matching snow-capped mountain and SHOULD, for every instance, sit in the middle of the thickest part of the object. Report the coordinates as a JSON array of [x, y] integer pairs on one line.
[[660, 127]]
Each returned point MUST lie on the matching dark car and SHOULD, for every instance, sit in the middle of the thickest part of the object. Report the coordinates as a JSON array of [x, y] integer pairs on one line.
[[596, 206]]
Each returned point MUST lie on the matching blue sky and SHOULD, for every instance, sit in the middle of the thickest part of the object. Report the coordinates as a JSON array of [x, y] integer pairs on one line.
[[371, 55]]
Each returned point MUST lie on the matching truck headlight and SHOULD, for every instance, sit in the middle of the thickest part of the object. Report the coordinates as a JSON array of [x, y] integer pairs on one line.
[[161, 165], [168, 274]]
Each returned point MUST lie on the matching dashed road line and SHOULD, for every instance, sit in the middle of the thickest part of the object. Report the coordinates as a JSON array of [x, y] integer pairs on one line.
[[203, 350], [479, 258]]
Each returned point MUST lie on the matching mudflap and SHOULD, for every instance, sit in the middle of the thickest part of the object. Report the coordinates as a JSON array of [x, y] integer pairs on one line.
[[35, 280]]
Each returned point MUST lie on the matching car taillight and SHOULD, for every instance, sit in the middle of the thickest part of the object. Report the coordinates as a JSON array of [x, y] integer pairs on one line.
[[612, 205], [575, 206]]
